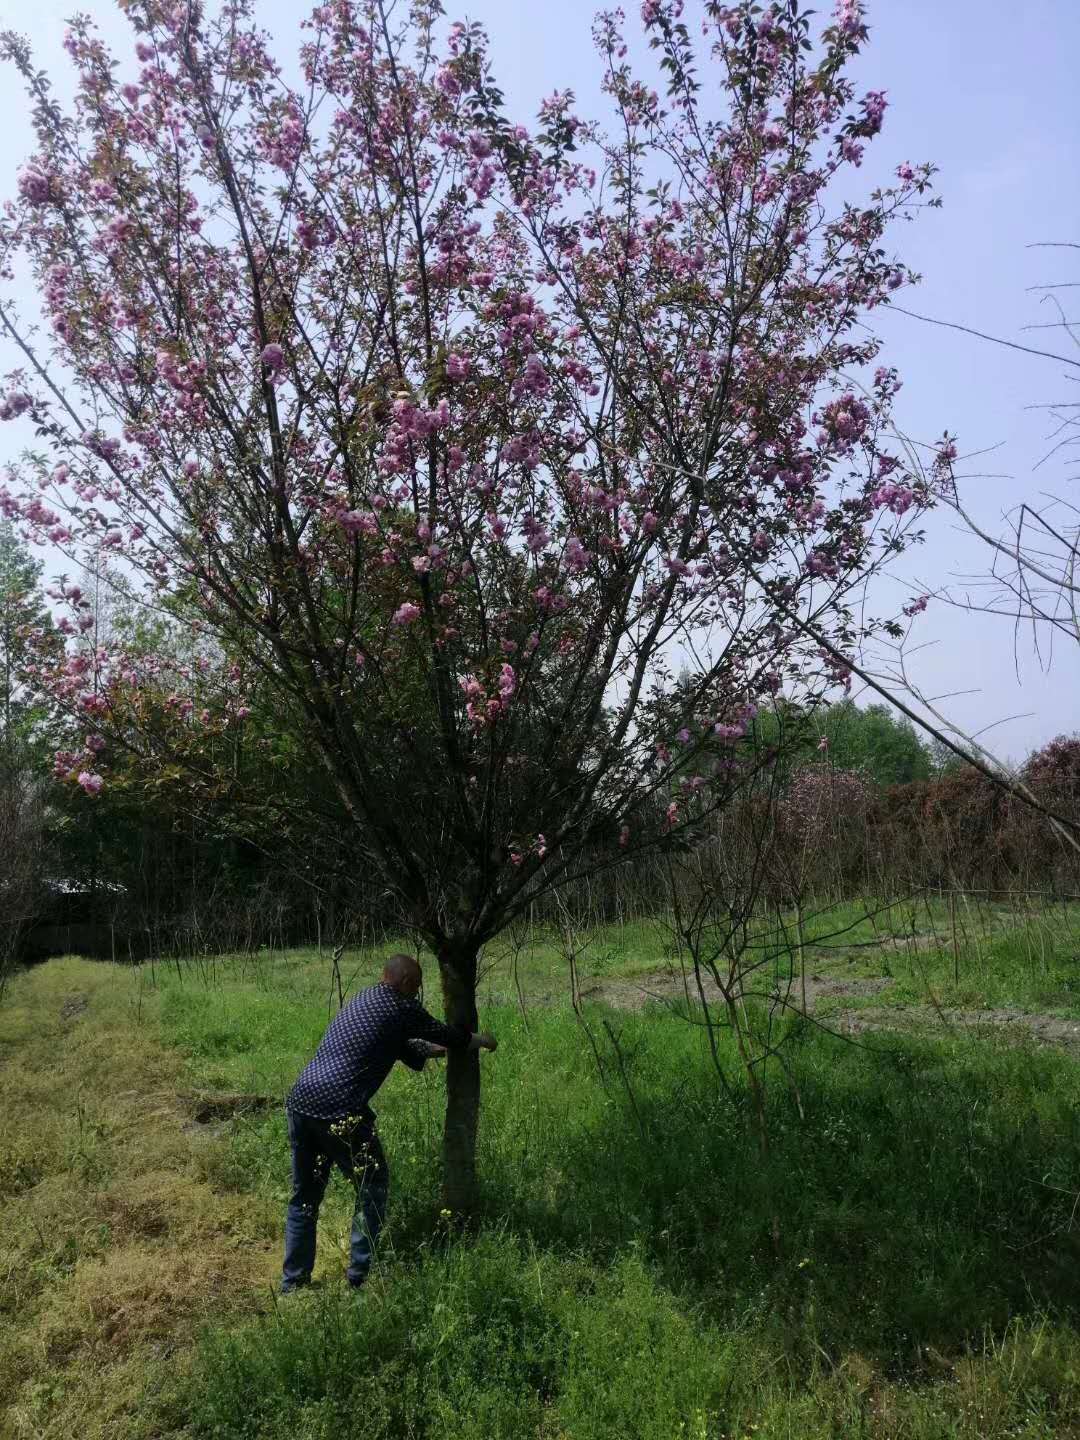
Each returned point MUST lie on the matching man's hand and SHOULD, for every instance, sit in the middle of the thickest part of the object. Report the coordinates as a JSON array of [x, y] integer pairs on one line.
[[483, 1041], [435, 1052]]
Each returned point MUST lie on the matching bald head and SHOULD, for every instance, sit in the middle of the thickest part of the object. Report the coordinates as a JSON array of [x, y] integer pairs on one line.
[[403, 974]]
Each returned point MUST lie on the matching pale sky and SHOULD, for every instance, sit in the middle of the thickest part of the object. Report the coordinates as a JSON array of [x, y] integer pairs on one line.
[[987, 90]]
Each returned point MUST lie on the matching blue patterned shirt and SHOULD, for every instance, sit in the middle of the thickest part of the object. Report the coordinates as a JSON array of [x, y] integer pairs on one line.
[[358, 1051]]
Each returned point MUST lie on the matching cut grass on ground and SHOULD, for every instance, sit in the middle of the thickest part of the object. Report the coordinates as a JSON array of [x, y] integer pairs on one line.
[[622, 1278], [114, 1242]]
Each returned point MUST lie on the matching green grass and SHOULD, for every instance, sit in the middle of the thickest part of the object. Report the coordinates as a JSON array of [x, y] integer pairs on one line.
[[1018, 955], [624, 1278], [637, 947], [1027, 958], [114, 1241], [973, 954]]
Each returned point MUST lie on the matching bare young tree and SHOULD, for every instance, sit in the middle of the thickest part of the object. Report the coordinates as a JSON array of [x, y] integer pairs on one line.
[[1032, 579], [1033, 575]]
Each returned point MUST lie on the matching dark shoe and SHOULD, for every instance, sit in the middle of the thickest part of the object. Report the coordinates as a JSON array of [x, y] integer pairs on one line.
[[357, 1284], [290, 1287]]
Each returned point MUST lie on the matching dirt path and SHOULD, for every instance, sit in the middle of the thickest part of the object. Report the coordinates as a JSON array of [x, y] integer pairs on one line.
[[1010, 1022], [117, 1238], [667, 987], [670, 988]]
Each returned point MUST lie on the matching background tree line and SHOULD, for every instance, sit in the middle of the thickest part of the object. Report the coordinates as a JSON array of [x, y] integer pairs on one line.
[[854, 799]]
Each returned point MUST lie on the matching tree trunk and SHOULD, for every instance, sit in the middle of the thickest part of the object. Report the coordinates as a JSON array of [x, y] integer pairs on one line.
[[457, 967], [801, 936]]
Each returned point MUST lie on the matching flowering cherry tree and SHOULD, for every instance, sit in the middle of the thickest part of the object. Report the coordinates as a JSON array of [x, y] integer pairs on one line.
[[466, 437]]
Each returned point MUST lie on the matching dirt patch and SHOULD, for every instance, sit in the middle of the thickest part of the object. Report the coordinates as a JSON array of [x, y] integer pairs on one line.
[[74, 1006], [821, 987], [671, 988], [214, 1107], [1010, 1023], [921, 940]]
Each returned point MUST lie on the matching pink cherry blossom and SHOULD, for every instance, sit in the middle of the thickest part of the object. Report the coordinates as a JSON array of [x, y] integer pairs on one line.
[[354, 350], [273, 357], [13, 404], [35, 185], [575, 554]]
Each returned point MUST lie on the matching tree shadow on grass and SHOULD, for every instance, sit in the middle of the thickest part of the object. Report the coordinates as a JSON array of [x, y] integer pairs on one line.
[[920, 1194]]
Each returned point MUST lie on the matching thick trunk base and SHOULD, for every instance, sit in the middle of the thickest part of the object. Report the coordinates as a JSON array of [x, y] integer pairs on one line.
[[457, 967]]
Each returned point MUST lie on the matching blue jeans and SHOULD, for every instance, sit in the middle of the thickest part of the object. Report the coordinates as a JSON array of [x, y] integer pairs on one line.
[[317, 1145]]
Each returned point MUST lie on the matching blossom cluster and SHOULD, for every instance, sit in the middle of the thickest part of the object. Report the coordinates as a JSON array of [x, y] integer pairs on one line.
[[461, 435]]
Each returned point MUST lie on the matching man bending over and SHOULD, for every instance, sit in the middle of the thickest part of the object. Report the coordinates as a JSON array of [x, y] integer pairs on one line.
[[330, 1117]]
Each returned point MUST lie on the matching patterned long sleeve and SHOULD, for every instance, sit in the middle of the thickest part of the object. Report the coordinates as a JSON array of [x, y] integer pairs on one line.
[[422, 1026], [414, 1054], [359, 1049]]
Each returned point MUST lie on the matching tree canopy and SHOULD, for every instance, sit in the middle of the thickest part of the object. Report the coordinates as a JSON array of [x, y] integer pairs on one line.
[[461, 435]]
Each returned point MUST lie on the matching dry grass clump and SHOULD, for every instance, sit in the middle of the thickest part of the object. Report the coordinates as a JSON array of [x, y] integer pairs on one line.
[[114, 1242]]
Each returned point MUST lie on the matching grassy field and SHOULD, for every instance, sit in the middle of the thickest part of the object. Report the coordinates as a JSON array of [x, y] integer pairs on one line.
[[966, 954], [624, 1277]]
